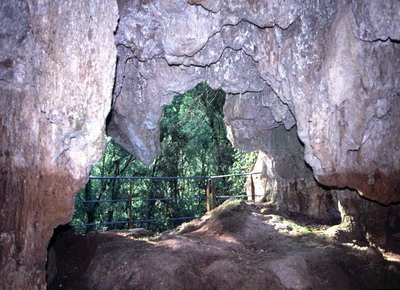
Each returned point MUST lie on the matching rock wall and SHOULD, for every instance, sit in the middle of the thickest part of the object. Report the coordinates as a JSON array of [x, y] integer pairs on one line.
[[289, 187], [288, 183], [57, 64], [330, 67]]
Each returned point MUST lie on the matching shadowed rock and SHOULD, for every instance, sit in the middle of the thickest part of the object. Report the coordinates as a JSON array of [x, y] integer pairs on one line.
[[329, 68], [57, 62]]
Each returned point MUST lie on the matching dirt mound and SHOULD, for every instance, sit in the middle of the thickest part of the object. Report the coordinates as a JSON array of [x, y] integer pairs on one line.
[[236, 246]]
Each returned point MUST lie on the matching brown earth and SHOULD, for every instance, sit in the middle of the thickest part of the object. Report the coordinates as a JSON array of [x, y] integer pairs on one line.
[[237, 246]]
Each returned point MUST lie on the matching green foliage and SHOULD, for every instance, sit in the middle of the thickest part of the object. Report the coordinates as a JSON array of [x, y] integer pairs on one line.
[[244, 163], [193, 143]]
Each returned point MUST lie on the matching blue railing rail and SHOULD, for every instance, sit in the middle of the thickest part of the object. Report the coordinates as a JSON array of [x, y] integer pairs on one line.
[[211, 196], [135, 221]]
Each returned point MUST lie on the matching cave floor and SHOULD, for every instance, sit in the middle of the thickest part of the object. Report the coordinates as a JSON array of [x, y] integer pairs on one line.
[[237, 246]]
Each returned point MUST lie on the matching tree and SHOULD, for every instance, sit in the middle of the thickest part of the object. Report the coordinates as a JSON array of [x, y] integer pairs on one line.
[[193, 143]]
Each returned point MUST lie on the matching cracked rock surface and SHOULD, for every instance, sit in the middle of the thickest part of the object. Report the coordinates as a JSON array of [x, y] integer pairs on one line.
[[57, 61], [325, 70], [328, 67]]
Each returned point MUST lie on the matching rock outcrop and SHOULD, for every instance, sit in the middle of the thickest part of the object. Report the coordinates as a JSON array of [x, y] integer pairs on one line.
[[289, 186], [330, 67], [326, 71], [57, 64], [288, 182]]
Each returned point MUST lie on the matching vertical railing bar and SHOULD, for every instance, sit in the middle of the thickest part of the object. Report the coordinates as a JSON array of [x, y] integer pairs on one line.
[[130, 205], [253, 194], [208, 195], [211, 191], [214, 196]]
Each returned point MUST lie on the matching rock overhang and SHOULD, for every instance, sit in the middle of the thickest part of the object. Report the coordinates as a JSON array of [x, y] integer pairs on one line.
[[308, 65], [328, 67]]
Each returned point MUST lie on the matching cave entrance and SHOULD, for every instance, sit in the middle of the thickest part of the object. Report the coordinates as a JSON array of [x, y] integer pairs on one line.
[[193, 146]]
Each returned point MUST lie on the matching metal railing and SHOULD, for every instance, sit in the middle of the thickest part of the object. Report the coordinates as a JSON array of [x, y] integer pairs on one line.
[[215, 190], [211, 192]]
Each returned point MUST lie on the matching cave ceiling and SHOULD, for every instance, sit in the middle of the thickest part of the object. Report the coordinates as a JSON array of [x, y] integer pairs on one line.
[[330, 68]]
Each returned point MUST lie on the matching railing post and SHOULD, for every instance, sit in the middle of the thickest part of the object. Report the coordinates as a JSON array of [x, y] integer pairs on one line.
[[130, 205], [253, 194], [208, 195], [214, 196]]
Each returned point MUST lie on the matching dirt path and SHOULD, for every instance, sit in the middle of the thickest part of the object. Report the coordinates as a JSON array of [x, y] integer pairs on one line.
[[237, 246]]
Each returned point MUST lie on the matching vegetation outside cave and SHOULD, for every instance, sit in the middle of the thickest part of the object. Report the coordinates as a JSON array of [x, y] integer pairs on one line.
[[193, 143]]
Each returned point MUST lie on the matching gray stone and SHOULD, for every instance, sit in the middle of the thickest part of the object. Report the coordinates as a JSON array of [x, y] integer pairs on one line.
[[288, 183], [57, 61], [377, 20], [328, 67]]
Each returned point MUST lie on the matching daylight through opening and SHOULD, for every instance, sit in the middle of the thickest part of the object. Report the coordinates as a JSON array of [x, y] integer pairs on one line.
[[194, 147]]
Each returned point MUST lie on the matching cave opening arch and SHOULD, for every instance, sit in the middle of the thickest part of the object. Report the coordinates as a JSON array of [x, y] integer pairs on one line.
[[301, 47], [193, 143]]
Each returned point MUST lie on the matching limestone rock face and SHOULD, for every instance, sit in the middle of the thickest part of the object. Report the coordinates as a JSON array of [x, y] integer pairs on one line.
[[328, 67], [57, 62], [288, 183]]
